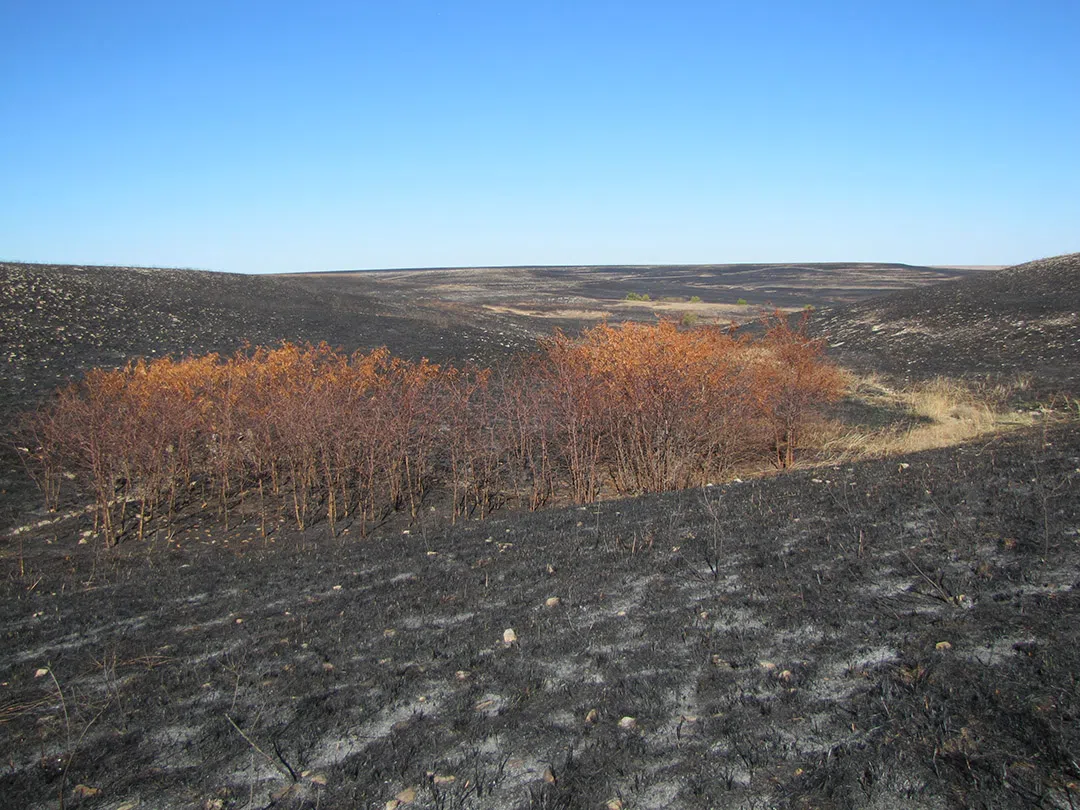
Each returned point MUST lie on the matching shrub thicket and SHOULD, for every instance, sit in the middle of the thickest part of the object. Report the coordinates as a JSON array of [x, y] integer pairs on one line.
[[325, 435]]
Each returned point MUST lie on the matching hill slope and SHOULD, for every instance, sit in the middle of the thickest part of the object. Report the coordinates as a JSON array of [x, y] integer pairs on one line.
[[891, 633], [58, 321], [1024, 319]]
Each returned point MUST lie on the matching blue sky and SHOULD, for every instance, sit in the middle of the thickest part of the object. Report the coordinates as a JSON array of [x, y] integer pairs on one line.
[[286, 136]]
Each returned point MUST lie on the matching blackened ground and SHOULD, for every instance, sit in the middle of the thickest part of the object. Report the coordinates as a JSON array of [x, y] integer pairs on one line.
[[889, 634], [1024, 320]]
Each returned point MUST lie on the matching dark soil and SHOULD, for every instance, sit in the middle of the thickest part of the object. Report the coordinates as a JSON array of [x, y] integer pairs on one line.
[[892, 633]]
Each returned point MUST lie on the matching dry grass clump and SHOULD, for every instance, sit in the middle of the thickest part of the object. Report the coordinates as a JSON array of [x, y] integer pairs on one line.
[[318, 434], [941, 412]]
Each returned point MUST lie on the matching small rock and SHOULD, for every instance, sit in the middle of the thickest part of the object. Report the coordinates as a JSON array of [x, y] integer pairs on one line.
[[407, 796], [327, 666], [318, 778], [509, 636], [614, 804], [439, 779], [717, 661], [552, 601], [592, 716], [628, 724], [85, 792], [768, 666], [41, 673], [128, 805], [786, 676], [943, 645], [389, 632], [461, 675], [549, 776]]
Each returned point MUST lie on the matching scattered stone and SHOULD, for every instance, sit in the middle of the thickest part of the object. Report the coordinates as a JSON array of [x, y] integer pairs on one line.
[[768, 666], [439, 779], [549, 776], [85, 792], [318, 778], [786, 676], [41, 673], [552, 601], [327, 666], [628, 724], [592, 716], [407, 796], [509, 636], [614, 804], [461, 675], [717, 661], [389, 632], [943, 646]]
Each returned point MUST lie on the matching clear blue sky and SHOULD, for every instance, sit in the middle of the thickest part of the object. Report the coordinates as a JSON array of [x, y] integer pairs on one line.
[[288, 136]]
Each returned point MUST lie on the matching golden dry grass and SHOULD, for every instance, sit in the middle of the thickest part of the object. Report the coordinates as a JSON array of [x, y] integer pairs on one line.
[[940, 412]]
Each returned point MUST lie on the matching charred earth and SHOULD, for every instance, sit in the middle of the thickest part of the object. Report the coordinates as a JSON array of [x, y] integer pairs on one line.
[[884, 633]]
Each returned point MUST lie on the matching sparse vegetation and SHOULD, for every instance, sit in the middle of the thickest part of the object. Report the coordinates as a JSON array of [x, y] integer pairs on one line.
[[741, 302], [633, 296]]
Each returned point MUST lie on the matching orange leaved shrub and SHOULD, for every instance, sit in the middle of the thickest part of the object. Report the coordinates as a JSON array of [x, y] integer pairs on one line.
[[318, 434]]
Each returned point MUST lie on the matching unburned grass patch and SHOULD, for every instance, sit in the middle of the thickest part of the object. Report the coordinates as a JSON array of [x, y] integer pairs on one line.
[[879, 419]]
